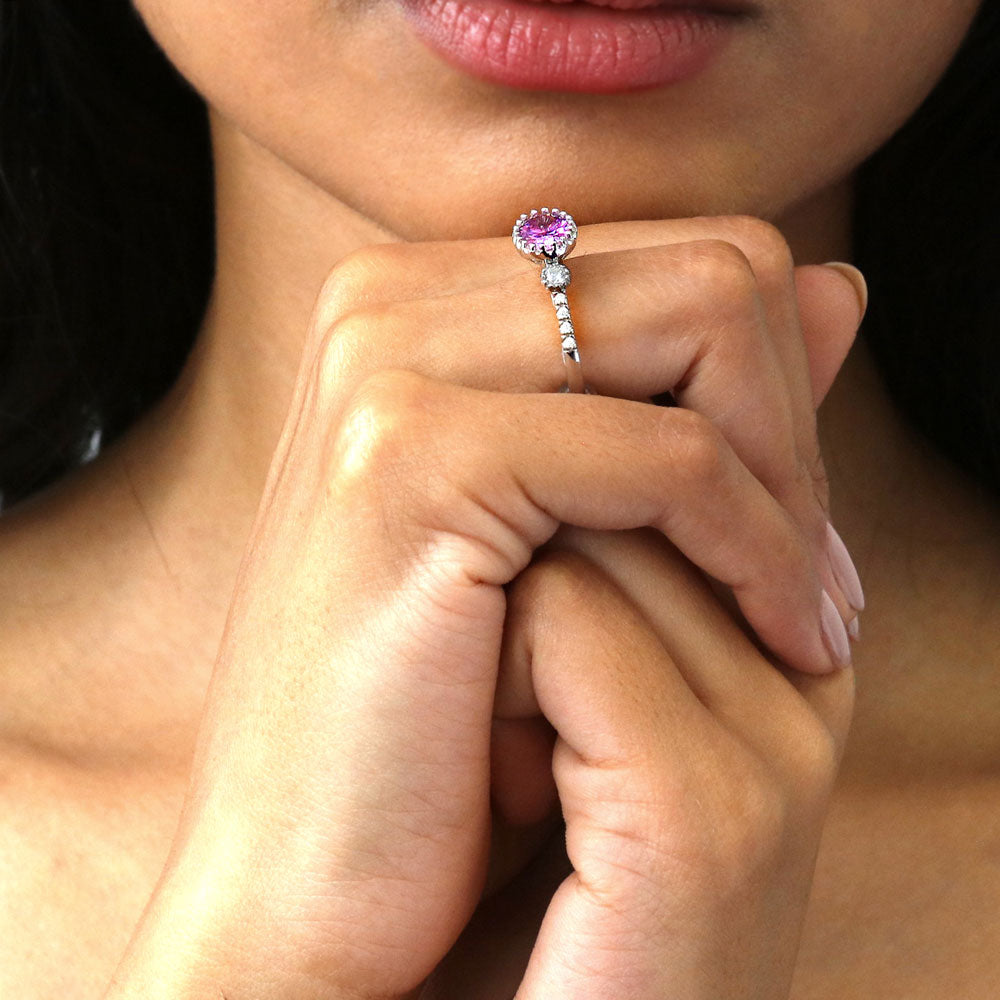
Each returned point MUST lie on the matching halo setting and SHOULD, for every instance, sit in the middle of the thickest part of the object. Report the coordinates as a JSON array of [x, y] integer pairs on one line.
[[545, 233]]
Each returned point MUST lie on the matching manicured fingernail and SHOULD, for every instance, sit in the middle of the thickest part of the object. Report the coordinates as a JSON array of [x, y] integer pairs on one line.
[[834, 632], [856, 278], [844, 570], [854, 629]]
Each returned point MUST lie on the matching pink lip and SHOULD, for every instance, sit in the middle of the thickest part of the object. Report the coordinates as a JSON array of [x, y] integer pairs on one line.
[[596, 47]]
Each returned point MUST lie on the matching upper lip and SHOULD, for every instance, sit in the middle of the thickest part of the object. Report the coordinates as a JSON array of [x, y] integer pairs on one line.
[[734, 7]]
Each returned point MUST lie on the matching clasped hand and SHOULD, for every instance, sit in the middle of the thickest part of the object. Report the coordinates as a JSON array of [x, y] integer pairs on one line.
[[467, 592]]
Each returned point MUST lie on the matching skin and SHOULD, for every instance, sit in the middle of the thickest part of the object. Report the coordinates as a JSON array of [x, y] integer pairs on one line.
[[114, 650]]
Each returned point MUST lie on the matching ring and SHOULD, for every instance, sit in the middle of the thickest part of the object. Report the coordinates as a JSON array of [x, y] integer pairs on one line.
[[547, 236]]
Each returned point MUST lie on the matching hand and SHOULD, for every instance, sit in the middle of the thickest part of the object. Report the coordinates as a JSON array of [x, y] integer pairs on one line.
[[723, 321], [335, 836], [693, 778]]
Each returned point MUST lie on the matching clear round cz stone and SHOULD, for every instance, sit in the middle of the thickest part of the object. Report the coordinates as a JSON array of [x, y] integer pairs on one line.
[[555, 275]]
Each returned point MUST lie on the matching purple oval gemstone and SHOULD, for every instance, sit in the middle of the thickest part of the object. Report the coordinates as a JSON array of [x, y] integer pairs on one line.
[[545, 229]]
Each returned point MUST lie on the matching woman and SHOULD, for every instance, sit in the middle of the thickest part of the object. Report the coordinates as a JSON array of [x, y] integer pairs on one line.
[[468, 607]]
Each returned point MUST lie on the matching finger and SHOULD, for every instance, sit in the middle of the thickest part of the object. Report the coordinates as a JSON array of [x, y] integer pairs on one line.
[[397, 271], [662, 804], [592, 461], [828, 307], [622, 696], [826, 298], [754, 695], [574, 652], [837, 312], [649, 318]]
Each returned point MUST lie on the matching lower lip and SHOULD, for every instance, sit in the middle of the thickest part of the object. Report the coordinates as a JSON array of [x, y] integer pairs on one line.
[[571, 47]]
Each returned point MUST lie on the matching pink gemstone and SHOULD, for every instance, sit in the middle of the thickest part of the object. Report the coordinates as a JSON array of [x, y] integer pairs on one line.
[[546, 230]]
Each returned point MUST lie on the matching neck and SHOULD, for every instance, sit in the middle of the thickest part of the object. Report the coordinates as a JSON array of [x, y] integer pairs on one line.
[[277, 236]]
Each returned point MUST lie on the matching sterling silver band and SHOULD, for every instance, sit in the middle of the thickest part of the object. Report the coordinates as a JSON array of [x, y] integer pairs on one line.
[[547, 236], [556, 278]]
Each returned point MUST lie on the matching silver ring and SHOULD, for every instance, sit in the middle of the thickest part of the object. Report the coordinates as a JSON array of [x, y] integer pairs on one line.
[[547, 236]]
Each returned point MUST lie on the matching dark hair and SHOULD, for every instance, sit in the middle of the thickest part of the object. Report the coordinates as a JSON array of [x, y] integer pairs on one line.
[[927, 237], [106, 240], [106, 230]]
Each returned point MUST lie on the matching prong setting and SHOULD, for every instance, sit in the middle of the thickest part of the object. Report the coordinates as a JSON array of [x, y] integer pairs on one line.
[[544, 233]]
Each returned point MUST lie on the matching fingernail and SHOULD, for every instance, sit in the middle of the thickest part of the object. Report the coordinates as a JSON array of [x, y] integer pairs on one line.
[[854, 629], [856, 278], [834, 632], [843, 568]]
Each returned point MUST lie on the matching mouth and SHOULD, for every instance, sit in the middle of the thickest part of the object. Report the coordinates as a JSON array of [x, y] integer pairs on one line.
[[736, 8], [579, 46]]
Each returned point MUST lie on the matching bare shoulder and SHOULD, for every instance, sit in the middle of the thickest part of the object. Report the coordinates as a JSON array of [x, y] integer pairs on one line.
[[96, 660], [99, 706], [80, 850]]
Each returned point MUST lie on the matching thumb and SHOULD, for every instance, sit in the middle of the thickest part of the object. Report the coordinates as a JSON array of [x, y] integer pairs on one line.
[[832, 301]]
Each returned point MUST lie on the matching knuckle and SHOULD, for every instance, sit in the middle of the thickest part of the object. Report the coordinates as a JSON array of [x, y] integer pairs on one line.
[[763, 243], [751, 832], [356, 280], [806, 495], [695, 445], [348, 346], [558, 579], [723, 269], [737, 829], [385, 421]]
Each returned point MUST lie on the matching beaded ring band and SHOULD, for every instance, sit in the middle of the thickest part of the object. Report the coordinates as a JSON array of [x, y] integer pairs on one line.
[[547, 236]]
